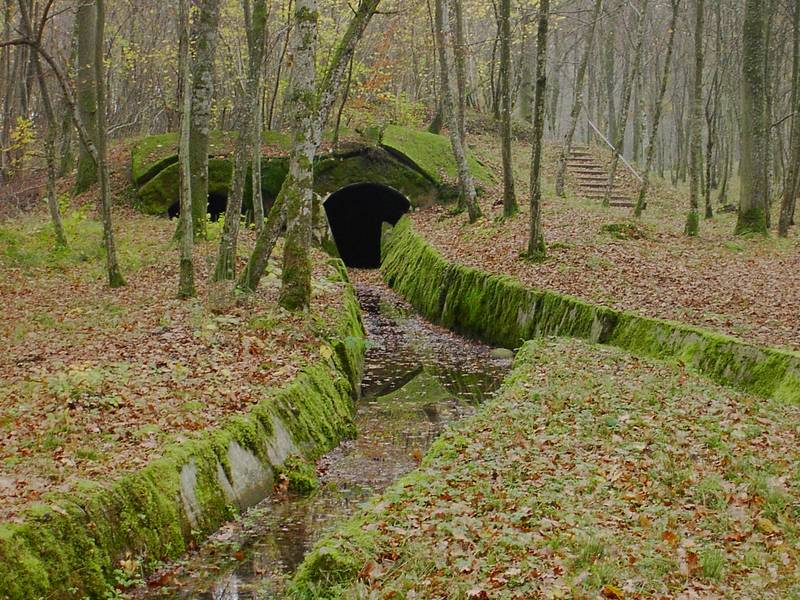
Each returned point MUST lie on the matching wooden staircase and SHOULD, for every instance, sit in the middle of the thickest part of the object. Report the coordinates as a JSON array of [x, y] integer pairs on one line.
[[593, 179]]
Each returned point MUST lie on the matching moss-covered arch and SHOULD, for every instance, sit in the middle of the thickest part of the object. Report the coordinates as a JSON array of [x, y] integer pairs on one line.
[[418, 164]]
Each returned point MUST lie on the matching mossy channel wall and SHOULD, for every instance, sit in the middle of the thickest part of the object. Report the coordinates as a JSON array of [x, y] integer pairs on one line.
[[70, 547], [502, 311]]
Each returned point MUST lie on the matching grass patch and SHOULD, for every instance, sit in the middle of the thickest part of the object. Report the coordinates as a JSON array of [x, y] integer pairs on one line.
[[590, 475]]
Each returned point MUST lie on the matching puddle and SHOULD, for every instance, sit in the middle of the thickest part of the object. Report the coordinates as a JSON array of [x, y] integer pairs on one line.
[[418, 379]]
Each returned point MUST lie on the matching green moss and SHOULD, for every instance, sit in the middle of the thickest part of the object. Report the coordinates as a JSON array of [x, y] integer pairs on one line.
[[375, 166], [751, 222], [502, 311], [431, 154], [152, 154], [301, 475], [627, 230], [692, 224], [157, 195], [333, 562], [76, 541], [424, 388], [331, 173]]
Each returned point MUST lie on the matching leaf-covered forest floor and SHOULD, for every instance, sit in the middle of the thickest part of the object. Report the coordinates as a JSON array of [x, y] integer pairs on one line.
[[94, 381], [593, 474], [747, 287]]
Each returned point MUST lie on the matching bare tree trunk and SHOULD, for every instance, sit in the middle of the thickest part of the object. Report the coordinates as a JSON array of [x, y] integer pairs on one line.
[[791, 186], [284, 51], [50, 135], [695, 150], [86, 29], [245, 142], [536, 244], [67, 159], [115, 278], [204, 34], [711, 122], [555, 86], [186, 287], [622, 126], [326, 95], [652, 143], [509, 195], [467, 187], [345, 96], [753, 166], [296, 286], [460, 52], [255, 168], [577, 105], [8, 96], [609, 68]]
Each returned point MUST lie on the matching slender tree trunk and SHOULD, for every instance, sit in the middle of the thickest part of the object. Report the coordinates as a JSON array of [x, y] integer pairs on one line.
[[722, 197], [8, 96], [509, 195], [67, 159], [296, 287], [326, 95], [284, 51], [50, 135], [577, 105], [609, 68], [245, 142], [696, 150], [467, 187], [536, 244], [460, 52], [204, 34], [753, 166], [791, 186], [653, 142], [255, 169], [527, 63], [555, 86], [638, 123], [345, 96], [115, 278], [711, 121], [186, 287], [622, 127], [86, 28]]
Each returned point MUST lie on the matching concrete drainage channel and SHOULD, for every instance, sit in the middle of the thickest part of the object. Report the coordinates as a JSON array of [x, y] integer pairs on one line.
[[418, 379]]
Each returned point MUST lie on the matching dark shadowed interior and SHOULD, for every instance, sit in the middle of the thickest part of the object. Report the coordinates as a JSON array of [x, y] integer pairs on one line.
[[217, 203], [356, 214]]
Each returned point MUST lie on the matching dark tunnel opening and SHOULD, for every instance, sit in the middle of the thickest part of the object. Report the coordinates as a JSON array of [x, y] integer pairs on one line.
[[217, 204], [356, 214]]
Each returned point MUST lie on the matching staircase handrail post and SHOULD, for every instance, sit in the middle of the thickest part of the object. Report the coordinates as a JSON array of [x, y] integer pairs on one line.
[[610, 145]]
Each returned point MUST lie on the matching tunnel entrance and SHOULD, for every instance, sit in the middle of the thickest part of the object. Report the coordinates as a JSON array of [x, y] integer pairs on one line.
[[217, 204], [356, 214]]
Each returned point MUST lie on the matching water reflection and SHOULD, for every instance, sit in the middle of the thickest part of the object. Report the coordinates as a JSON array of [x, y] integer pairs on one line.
[[418, 379]]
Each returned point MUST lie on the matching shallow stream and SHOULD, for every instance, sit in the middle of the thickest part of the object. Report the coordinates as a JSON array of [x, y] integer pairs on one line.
[[418, 379]]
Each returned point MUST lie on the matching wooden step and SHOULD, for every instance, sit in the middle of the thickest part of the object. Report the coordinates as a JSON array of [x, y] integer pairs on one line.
[[601, 196]]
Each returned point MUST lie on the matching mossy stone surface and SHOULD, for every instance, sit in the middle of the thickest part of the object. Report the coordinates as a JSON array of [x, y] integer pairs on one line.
[[69, 547], [152, 154], [374, 165], [502, 311], [162, 191], [431, 154], [418, 164]]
